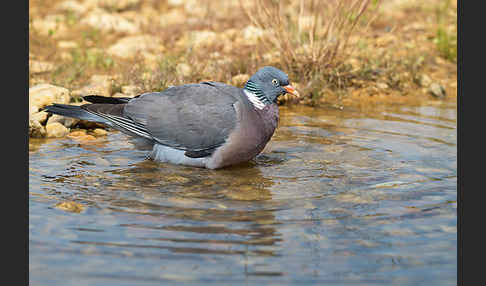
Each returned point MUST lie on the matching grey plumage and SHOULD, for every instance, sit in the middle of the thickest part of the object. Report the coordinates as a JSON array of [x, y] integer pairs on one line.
[[208, 124], [179, 117]]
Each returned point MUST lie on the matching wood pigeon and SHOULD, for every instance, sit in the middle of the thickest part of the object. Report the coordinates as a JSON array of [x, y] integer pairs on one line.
[[208, 124]]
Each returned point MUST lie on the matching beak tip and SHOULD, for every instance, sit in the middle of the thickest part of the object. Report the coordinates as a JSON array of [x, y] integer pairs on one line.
[[290, 89]]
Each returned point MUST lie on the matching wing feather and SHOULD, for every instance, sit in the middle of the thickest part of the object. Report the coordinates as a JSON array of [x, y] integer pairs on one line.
[[191, 117]]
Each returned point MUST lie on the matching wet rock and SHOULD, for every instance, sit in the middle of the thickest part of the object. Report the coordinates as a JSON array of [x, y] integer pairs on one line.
[[99, 85], [45, 94], [83, 138], [70, 207], [89, 124], [68, 122], [36, 130], [110, 23], [129, 47], [36, 67], [56, 130], [77, 133], [40, 117], [99, 132], [240, 79], [437, 90], [184, 69]]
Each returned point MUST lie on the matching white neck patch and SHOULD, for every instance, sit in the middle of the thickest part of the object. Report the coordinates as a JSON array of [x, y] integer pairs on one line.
[[254, 99]]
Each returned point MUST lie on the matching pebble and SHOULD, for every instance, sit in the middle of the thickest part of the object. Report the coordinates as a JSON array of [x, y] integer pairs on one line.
[[423, 80], [437, 90], [36, 130]]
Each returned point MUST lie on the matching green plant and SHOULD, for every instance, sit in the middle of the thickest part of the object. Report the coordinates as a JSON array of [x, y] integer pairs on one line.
[[445, 39], [446, 44]]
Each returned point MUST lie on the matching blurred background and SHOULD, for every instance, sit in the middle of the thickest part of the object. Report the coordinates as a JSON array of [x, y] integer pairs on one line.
[[336, 52]]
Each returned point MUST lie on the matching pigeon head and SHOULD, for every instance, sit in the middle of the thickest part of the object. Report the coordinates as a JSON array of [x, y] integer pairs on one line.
[[266, 85]]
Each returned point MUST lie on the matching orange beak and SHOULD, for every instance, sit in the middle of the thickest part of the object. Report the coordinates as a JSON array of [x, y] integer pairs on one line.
[[290, 89]]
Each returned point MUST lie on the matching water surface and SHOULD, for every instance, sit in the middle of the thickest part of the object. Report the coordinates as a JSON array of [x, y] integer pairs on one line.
[[338, 197]]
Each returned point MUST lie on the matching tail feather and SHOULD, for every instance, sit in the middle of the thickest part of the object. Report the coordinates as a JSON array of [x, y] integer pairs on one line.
[[75, 112], [104, 99], [107, 113]]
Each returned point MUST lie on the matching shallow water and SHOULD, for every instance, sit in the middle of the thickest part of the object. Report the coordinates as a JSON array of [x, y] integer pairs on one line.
[[337, 197]]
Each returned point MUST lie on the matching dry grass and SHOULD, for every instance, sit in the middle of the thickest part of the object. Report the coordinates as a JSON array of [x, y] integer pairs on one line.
[[331, 49], [311, 36]]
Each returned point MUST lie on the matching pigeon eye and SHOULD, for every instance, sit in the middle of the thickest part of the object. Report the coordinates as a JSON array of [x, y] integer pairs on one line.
[[275, 82]]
